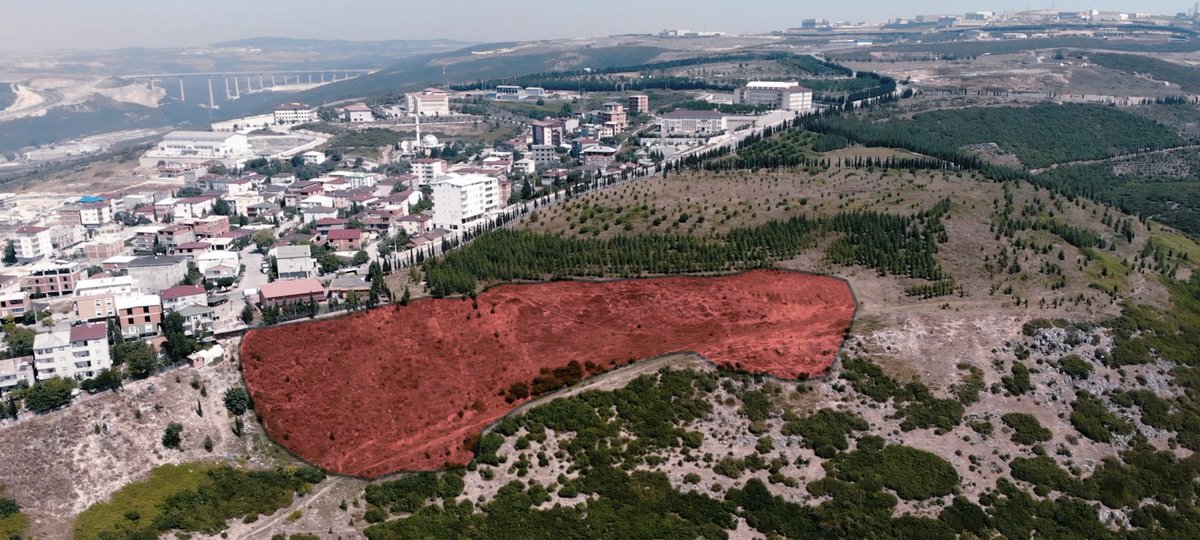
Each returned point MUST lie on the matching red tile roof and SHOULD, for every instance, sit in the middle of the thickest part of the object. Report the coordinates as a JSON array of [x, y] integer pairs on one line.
[[89, 332], [290, 288], [180, 291], [345, 234]]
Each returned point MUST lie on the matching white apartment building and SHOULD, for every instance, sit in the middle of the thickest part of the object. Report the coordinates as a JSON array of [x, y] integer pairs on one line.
[[459, 201], [294, 113], [190, 208], [427, 170], [789, 95], [33, 244], [684, 123], [431, 102], [79, 352], [14, 371]]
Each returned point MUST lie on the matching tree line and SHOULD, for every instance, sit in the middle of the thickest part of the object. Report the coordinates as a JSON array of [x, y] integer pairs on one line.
[[891, 244]]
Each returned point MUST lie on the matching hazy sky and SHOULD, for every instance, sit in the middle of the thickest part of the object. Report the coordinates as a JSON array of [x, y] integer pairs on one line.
[[54, 24]]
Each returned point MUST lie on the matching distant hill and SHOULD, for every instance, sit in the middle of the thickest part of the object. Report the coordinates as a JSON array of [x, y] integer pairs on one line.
[[463, 66], [341, 46]]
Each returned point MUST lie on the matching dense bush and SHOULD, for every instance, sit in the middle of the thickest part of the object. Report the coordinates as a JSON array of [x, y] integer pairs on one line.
[[1026, 428], [825, 431], [1075, 367], [1093, 420], [911, 473]]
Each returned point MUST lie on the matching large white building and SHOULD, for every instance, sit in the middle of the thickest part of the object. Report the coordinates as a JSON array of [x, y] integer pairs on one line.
[[789, 96], [685, 123], [33, 244], [430, 102], [459, 201], [79, 352], [294, 113], [197, 147]]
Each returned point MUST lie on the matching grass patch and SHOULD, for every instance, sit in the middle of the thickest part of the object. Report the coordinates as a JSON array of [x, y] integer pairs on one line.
[[192, 497]]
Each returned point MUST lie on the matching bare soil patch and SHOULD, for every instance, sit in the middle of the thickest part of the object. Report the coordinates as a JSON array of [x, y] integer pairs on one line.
[[410, 388]]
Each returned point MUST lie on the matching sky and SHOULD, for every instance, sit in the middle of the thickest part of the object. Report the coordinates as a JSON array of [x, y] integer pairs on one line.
[[105, 24]]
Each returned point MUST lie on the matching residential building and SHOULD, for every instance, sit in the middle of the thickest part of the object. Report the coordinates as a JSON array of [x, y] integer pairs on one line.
[[103, 248], [89, 215], [613, 114], [547, 132], [357, 113], [692, 123], [198, 321], [64, 235], [462, 200], [191, 208], [545, 154], [262, 209], [145, 238], [789, 96], [427, 170], [80, 352], [96, 298], [55, 278], [639, 104], [344, 239], [294, 113], [598, 157], [154, 274], [430, 102], [217, 265], [341, 287], [325, 225], [294, 291], [191, 249], [316, 213], [33, 244], [139, 315], [173, 236], [313, 157], [14, 371], [415, 223], [175, 298], [210, 226], [295, 262], [13, 304]]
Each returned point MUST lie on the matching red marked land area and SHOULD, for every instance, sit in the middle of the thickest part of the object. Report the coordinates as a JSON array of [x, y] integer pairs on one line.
[[402, 389]]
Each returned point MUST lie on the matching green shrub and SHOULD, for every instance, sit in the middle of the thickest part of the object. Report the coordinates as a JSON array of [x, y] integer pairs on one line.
[[1026, 428], [1075, 367]]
